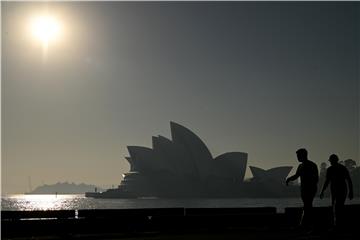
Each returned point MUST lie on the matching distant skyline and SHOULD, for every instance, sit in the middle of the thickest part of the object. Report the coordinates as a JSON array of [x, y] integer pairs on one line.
[[265, 78]]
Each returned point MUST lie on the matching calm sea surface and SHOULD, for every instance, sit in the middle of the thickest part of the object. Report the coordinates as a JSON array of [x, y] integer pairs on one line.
[[75, 202]]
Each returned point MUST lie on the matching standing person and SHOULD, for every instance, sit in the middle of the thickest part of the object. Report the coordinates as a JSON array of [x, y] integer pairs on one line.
[[337, 175], [309, 177]]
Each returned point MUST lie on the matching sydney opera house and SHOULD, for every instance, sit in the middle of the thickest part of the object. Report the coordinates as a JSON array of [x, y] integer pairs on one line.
[[184, 167]]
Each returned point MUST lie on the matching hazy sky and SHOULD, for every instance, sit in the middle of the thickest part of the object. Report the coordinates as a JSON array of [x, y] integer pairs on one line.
[[263, 78]]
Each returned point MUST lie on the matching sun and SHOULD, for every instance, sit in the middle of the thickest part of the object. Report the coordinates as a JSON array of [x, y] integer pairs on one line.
[[45, 28]]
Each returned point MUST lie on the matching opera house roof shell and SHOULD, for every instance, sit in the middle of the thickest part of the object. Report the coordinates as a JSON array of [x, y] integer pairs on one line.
[[270, 175], [183, 166], [185, 154]]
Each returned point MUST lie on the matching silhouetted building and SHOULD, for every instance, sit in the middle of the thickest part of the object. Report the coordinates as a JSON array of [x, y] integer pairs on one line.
[[277, 174], [184, 167], [270, 182]]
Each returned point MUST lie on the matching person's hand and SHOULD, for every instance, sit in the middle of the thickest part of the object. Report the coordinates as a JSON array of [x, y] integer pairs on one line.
[[351, 195], [321, 195]]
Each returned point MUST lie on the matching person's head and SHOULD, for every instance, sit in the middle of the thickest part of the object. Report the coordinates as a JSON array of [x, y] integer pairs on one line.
[[333, 159], [302, 154]]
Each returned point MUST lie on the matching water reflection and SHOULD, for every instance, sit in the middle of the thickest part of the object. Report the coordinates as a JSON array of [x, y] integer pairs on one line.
[[42, 202], [75, 202]]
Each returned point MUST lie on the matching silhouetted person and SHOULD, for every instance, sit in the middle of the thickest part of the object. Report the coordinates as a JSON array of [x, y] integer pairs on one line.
[[309, 177], [337, 175]]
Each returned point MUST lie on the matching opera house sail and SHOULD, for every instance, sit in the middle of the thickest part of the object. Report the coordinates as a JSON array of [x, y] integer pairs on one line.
[[184, 167]]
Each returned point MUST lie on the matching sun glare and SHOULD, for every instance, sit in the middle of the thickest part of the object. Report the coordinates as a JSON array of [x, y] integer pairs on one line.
[[46, 29]]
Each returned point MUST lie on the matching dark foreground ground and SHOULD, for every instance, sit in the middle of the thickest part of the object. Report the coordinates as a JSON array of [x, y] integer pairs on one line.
[[249, 234], [178, 223]]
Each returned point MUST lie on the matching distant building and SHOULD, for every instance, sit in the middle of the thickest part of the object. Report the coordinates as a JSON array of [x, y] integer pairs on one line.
[[271, 182], [184, 167], [275, 175]]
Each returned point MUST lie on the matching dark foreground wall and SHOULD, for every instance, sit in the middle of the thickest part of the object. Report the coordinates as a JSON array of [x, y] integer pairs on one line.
[[65, 223]]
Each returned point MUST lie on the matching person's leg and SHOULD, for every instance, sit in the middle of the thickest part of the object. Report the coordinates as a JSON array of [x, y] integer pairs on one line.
[[303, 211], [333, 202], [310, 209], [339, 209], [307, 210]]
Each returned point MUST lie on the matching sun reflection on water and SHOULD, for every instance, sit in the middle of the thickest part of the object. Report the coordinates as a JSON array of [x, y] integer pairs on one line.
[[43, 202], [75, 202]]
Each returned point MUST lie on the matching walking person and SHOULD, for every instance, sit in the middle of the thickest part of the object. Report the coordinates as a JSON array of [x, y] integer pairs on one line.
[[309, 177], [337, 176]]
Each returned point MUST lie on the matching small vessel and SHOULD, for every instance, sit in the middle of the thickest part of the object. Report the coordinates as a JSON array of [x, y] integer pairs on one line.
[[111, 193]]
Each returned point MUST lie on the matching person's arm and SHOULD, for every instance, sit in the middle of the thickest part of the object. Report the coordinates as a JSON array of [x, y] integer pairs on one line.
[[317, 174], [295, 176], [327, 181], [350, 185]]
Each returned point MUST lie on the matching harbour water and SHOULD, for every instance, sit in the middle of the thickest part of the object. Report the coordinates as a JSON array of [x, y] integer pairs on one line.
[[75, 202]]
